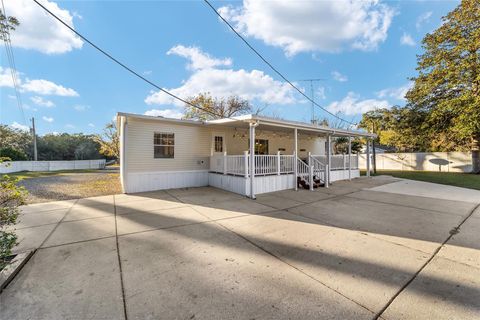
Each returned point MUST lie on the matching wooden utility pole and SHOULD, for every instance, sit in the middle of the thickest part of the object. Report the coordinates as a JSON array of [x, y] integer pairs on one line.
[[374, 152], [34, 140]]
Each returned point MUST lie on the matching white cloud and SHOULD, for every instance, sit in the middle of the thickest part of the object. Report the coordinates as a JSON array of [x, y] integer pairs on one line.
[[167, 113], [46, 87], [38, 86], [198, 58], [38, 30], [39, 101], [407, 40], [423, 18], [147, 72], [301, 26], [47, 119], [352, 105], [337, 76], [320, 92], [19, 126], [248, 85], [91, 125], [69, 126], [81, 107], [395, 93]]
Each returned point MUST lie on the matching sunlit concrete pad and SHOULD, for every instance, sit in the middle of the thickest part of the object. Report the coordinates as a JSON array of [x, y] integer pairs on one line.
[[232, 208], [208, 196], [464, 246], [166, 218], [194, 191], [416, 228], [81, 211], [366, 269], [431, 190], [32, 238], [47, 206], [79, 281], [147, 205], [271, 200], [447, 206], [82, 230], [206, 272], [443, 290], [27, 220]]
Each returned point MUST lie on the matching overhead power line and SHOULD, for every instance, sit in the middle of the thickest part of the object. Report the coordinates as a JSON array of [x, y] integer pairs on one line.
[[271, 66], [13, 69], [108, 55]]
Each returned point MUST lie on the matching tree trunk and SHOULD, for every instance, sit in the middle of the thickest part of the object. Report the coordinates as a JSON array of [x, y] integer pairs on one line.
[[476, 154]]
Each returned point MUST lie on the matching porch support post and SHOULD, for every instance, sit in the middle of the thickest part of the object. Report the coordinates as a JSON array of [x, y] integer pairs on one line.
[[252, 158], [368, 157], [295, 161], [225, 162], [329, 157], [278, 163], [245, 161], [349, 158]]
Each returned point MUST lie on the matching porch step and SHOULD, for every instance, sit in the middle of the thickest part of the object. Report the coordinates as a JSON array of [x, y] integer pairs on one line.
[[301, 183]]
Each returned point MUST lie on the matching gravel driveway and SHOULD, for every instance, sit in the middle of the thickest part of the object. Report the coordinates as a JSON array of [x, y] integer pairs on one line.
[[65, 186]]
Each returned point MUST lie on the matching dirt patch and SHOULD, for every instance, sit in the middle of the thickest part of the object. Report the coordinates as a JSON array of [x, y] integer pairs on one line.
[[67, 186]]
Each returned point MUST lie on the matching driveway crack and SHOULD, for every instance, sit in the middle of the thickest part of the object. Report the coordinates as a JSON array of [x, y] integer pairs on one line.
[[119, 262]]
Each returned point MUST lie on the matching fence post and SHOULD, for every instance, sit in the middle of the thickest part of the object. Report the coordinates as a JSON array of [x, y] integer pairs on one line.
[[245, 161], [225, 162]]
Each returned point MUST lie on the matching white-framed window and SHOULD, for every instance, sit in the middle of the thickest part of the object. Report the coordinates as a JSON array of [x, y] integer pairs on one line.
[[218, 144], [163, 145]]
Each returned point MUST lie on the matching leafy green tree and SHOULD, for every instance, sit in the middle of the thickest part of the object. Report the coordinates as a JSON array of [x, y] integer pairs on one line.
[[109, 141], [16, 139], [7, 24], [13, 154], [340, 145], [447, 88], [216, 108]]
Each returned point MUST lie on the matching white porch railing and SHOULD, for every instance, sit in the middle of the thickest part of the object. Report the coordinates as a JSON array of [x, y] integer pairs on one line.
[[338, 161], [264, 164]]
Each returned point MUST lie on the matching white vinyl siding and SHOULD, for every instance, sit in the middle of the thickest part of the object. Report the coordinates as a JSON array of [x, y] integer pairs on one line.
[[192, 146]]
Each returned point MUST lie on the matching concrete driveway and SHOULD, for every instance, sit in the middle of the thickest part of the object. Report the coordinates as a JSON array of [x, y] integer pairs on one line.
[[366, 249]]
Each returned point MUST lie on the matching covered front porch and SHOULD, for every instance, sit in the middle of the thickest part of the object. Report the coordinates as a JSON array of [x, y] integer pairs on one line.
[[278, 155]]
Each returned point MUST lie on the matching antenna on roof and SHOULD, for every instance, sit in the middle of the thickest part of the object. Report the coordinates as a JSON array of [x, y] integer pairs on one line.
[[313, 120]]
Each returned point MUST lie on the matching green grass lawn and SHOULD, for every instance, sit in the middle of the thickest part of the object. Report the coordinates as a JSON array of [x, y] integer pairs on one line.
[[37, 174], [464, 180]]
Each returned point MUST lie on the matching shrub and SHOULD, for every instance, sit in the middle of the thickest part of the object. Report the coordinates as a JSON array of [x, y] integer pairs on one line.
[[11, 197]]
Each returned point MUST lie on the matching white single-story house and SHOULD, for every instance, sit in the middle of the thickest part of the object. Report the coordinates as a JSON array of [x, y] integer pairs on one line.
[[247, 154]]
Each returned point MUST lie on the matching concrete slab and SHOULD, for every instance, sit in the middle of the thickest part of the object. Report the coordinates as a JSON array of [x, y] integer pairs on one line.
[[79, 281], [206, 272], [416, 228], [431, 190], [147, 205], [96, 201], [75, 231], [80, 212], [47, 206], [305, 196], [271, 200], [32, 238], [27, 220], [464, 247], [443, 290], [233, 208], [142, 196], [209, 197], [137, 222], [447, 206], [367, 270]]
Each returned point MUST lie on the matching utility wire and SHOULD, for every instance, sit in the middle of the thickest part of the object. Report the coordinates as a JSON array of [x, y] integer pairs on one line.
[[270, 65], [13, 68], [124, 65]]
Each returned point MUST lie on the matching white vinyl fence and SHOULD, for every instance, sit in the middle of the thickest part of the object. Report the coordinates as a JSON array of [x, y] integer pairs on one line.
[[421, 161], [16, 166]]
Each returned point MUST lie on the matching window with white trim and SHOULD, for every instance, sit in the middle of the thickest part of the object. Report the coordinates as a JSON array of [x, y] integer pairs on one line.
[[218, 144], [163, 145]]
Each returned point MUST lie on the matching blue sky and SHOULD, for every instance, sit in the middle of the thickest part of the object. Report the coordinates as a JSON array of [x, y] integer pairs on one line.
[[364, 51]]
